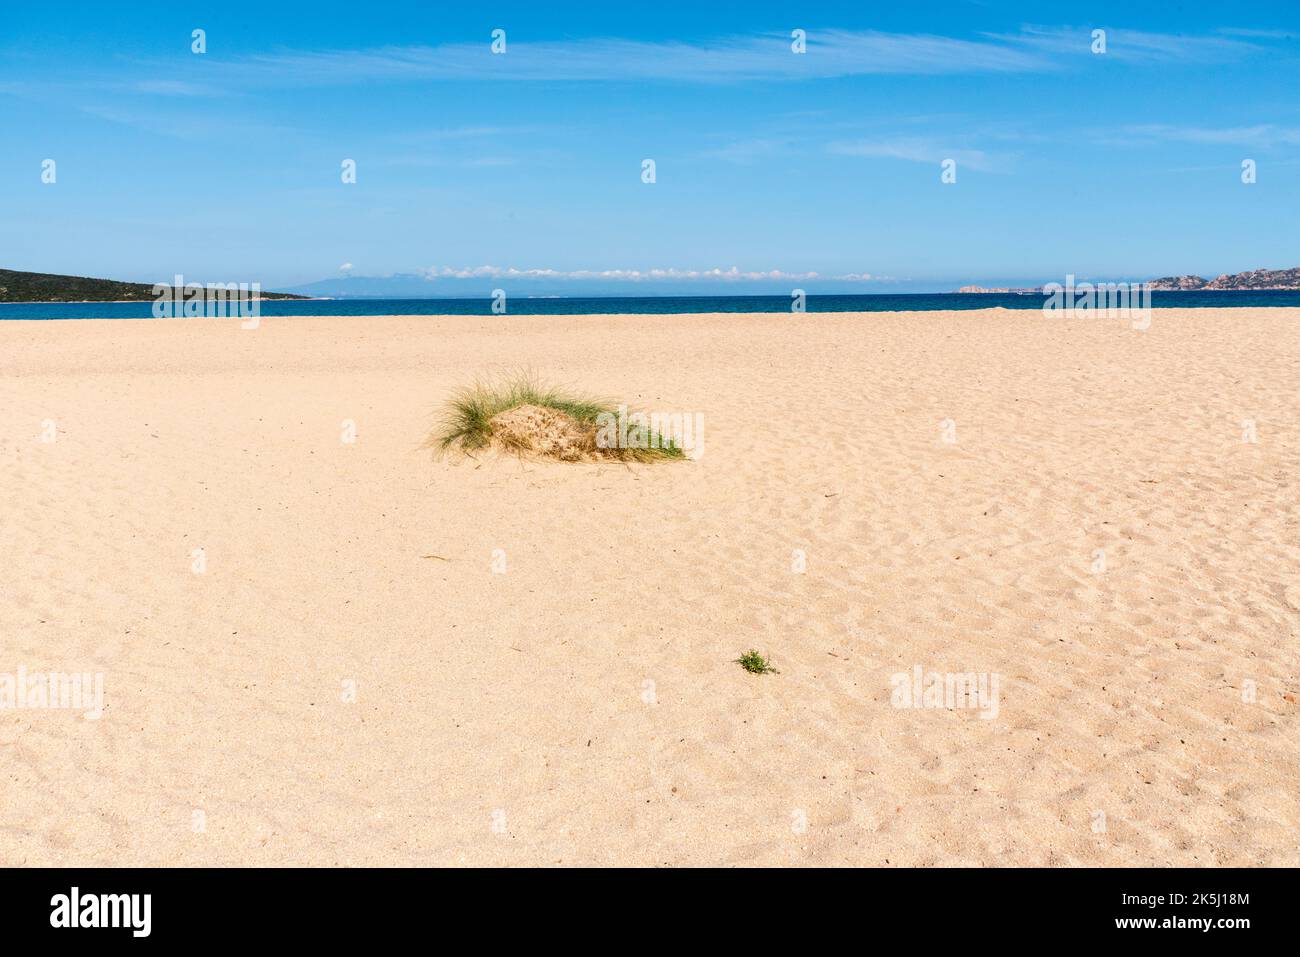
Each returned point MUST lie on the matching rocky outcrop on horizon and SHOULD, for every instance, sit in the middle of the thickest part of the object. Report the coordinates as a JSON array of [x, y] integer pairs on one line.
[[1255, 279]]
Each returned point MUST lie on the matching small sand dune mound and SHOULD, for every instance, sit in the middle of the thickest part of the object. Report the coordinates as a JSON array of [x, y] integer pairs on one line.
[[538, 430], [520, 415]]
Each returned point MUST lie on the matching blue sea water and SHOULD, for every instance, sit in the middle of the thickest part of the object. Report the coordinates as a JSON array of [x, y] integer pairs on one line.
[[565, 306]]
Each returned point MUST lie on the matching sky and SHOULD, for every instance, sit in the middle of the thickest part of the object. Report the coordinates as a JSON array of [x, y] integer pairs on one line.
[[773, 169]]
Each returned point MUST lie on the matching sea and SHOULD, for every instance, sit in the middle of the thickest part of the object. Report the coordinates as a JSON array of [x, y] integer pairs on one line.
[[652, 305]]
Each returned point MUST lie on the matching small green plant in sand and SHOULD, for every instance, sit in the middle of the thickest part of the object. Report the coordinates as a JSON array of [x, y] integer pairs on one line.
[[519, 414], [756, 664]]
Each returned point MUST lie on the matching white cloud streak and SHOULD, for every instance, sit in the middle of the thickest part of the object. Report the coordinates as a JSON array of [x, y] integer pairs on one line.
[[831, 53], [1262, 134], [1131, 45], [916, 151]]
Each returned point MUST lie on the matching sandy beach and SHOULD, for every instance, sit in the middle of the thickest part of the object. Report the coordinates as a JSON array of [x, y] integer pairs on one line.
[[330, 652]]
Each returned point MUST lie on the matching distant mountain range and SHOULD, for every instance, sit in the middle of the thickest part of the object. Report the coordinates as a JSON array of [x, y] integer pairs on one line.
[[397, 286], [1255, 279], [45, 287], [422, 286], [1019, 290]]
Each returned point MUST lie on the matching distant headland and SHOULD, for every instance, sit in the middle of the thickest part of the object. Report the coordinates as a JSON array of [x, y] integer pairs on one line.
[[44, 287], [1256, 279]]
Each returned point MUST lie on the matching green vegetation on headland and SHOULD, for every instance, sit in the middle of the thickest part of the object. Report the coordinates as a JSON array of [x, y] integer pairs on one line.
[[43, 287]]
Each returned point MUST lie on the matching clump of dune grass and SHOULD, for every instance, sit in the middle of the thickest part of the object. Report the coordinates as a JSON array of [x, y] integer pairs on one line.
[[519, 414], [756, 664]]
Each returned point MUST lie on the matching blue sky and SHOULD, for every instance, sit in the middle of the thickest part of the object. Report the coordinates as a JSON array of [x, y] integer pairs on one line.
[[482, 170]]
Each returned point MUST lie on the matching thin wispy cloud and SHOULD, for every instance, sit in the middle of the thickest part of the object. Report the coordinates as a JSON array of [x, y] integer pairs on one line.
[[171, 88], [918, 151], [1259, 34], [1134, 45], [457, 133], [431, 162], [1261, 135], [184, 125], [831, 53], [747, 152]]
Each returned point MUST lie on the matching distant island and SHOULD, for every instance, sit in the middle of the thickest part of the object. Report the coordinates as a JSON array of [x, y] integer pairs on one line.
[[1025, 291], [43, 287], [1255, 279]]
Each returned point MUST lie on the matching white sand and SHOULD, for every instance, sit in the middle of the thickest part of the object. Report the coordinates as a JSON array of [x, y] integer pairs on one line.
[[586, 701]]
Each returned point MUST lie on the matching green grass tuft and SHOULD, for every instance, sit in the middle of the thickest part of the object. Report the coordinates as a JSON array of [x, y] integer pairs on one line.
[[467, 421], [756, 664]]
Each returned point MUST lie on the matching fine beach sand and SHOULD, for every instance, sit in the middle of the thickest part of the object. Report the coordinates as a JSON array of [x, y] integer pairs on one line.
[[585, 706]]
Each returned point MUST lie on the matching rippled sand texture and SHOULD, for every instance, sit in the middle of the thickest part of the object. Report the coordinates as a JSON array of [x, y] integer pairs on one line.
[[1098, 535]]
